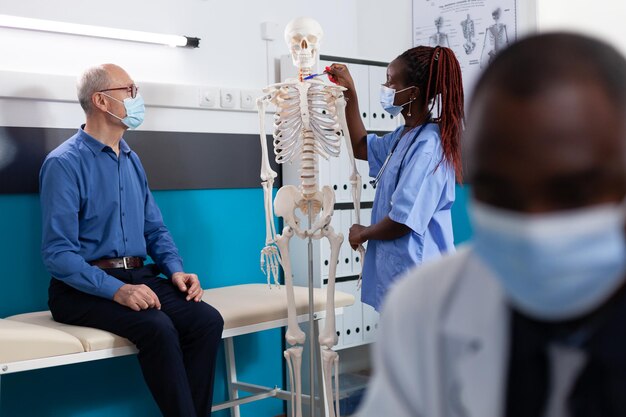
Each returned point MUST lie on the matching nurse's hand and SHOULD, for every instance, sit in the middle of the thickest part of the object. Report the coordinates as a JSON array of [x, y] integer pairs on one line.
[[357, 235], [341, 76]]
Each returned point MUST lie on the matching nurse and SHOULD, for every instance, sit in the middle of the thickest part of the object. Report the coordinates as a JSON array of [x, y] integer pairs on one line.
[[415, 166]]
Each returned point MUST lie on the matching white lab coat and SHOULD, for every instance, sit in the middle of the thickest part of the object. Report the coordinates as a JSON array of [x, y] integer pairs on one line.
[[443, 344]]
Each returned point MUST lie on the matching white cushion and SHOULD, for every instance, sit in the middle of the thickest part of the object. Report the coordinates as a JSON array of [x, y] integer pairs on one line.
[[240, 305], [91, 339], [243, 305], [23, 341]]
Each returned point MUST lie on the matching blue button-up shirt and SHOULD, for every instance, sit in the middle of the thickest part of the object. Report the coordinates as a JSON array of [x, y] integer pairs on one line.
[[95, 205], [417, 190]]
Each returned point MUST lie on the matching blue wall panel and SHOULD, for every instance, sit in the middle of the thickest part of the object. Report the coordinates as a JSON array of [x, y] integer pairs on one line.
[[219, 234], [460, 219]]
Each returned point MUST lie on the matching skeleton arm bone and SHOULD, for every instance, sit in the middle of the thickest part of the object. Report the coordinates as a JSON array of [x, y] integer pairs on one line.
[[270, 257], [355, 178]]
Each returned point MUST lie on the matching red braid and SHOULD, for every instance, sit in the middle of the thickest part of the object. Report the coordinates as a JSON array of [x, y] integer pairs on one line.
[[437, 72]]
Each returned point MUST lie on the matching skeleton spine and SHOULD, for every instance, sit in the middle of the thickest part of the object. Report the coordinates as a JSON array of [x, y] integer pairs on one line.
[[308, 167]]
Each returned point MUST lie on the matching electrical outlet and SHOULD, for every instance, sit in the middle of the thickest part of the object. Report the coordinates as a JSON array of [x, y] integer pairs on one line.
[[270, 31], [248, 99], [207, 97], [229, 97]]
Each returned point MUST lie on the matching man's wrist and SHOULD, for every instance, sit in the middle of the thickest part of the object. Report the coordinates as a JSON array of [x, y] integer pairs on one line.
[[170, 268], [111, 287]]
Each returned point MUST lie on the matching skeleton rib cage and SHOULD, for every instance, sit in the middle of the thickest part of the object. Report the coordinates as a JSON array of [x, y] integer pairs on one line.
[[306, 125]]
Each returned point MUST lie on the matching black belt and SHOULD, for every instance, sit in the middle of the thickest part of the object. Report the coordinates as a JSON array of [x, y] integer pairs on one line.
[[127, 262]]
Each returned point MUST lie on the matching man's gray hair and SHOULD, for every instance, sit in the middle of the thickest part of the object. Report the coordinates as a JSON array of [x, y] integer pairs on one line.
[[91, 81]]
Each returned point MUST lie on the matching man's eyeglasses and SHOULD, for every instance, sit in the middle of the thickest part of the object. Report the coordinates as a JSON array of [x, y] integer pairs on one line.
[[132, 89]]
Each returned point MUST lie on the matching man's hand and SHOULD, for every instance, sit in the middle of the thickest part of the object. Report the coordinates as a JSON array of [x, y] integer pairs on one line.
[[137, 297], [190, 284], [357, 235]]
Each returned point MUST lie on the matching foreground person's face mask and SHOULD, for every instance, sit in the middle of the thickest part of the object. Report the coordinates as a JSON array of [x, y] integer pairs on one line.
[[553, 266]]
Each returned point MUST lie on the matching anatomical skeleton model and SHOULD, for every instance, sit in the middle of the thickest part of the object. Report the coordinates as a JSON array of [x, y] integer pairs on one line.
[[309, 122]]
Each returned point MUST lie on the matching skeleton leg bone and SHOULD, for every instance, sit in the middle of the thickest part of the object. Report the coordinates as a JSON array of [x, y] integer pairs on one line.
[[294, 334], [293, 356], [330, 362], [328, 336], [291, 381]]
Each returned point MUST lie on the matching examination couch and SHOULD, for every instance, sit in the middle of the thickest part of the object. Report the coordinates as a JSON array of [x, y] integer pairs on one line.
[[34, 340]]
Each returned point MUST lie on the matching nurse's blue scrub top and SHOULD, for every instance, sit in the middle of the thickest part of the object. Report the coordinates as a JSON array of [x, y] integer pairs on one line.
[[421, 200]]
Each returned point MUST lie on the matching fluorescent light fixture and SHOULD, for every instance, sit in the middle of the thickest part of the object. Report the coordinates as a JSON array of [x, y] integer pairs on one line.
[[41, 25]]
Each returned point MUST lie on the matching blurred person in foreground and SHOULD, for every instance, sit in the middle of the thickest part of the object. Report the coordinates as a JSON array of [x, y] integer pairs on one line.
[[529, 319]]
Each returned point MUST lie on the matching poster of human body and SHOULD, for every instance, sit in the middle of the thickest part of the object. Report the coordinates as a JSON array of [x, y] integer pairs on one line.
[[476, 30]]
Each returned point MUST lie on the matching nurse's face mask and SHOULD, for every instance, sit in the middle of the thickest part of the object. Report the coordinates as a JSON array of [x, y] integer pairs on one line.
[[388, 97], [553, 266]]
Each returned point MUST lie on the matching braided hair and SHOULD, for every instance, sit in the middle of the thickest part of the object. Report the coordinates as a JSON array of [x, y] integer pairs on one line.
[[437, 73]]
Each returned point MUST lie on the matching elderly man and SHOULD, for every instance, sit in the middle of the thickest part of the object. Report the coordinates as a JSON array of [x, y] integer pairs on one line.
[[529, 320], [100, 222]]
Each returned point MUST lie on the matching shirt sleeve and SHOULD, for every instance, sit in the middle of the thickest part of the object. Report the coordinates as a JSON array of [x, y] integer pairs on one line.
[[377, 150], [159, 241], [60, 203], [418, 193]]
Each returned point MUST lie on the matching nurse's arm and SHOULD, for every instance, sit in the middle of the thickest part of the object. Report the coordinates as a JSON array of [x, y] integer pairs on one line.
[[358, 133], [386, 229]]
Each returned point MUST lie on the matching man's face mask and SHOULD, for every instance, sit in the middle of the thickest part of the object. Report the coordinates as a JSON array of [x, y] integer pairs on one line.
[[135, 111], [387, 98], [553, 266]]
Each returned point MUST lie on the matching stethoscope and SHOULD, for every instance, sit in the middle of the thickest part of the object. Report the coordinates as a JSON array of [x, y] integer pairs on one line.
[[376, 180]]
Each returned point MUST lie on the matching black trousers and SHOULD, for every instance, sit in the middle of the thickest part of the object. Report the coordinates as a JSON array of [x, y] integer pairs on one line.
[[177, 344]]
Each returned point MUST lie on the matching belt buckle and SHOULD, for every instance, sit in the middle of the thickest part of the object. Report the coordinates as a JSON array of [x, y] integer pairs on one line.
[[125, 261]]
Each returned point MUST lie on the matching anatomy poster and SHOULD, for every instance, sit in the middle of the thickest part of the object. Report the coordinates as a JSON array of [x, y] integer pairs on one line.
[[476, 30]]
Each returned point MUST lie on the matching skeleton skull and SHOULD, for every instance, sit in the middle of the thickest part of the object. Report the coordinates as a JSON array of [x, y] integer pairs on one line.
[[303, 36]]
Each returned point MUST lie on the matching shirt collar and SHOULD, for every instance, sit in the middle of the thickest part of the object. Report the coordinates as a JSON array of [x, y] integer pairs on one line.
[[95, 145], [124, 146]]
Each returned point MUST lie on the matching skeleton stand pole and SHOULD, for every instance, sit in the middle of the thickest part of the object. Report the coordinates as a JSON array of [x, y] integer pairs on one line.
[[312, 340]]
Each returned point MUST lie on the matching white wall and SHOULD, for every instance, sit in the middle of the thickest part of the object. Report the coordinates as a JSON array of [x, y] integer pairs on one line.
[[602, 18], [231, 53], [384, 28]]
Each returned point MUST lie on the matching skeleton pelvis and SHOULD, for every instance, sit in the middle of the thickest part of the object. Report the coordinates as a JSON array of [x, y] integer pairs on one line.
[[289, 198]]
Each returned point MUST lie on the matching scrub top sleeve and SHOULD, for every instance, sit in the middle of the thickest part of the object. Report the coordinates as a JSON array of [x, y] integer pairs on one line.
[[377, 150], [419, 190]]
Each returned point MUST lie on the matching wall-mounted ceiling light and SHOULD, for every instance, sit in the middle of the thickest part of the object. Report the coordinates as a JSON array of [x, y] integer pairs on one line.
[[41, 25]]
